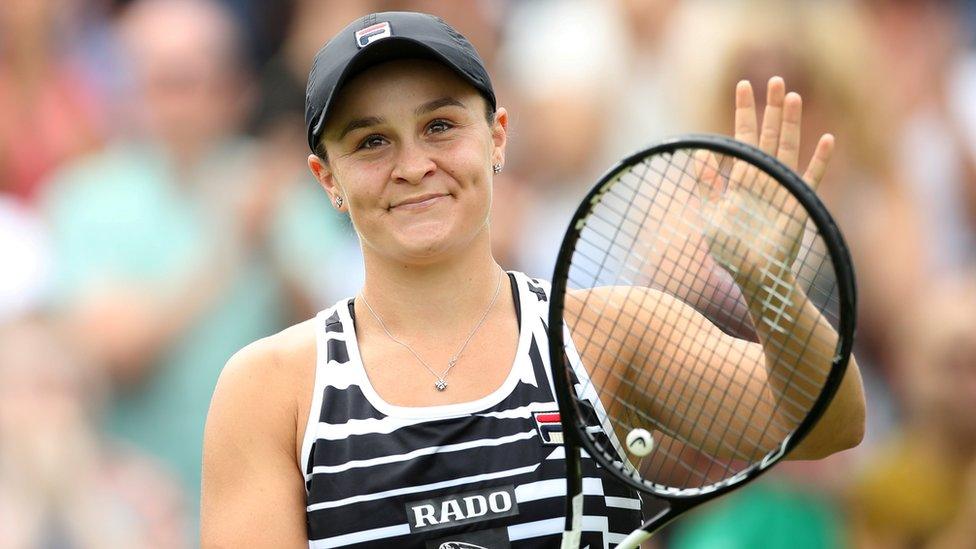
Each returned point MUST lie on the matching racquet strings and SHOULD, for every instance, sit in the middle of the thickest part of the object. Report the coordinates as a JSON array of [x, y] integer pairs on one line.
[[654, 226]]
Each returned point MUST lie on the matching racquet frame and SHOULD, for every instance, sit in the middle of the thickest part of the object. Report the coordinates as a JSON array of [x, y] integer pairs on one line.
[[680, 500]]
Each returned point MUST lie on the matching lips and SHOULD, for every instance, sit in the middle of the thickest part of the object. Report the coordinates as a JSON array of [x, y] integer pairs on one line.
[[419, 201]]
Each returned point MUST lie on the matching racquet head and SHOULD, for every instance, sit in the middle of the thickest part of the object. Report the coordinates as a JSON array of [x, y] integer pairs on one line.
[[680, 357]]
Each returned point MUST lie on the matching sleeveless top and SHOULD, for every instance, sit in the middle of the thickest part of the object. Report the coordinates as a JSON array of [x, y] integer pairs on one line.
[[487, 473]]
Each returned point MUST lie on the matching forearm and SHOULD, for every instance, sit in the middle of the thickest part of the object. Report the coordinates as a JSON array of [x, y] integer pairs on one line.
[[799, 345], [193, 294], [130, 325]]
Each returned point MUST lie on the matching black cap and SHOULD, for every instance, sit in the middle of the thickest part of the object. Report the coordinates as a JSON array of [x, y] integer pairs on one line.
[[381, 37]]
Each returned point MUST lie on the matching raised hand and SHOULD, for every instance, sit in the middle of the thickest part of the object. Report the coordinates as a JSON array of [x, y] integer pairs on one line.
[[752, 223]]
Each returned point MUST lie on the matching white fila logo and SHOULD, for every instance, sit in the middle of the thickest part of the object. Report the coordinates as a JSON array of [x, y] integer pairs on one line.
[[455, 509], [373, 33]]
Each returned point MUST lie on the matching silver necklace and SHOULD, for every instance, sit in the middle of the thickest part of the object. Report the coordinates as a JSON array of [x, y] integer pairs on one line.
[[441, 382]]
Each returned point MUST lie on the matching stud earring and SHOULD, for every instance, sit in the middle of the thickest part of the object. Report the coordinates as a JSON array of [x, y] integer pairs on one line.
[[338, 201], [497, 168]]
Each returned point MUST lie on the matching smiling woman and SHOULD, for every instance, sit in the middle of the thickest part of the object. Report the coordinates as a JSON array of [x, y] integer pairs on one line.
[[416, 124], [430, 419]]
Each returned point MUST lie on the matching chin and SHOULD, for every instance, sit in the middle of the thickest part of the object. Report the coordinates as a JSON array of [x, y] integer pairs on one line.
[[428, 248], [430, 234], [422, 241], [429, 242]]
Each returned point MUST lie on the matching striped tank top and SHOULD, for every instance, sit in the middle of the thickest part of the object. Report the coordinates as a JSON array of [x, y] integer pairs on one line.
[[488, 473]]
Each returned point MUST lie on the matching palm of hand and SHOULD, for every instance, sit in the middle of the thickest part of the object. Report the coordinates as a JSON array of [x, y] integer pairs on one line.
[[751, 223], [753, 226]]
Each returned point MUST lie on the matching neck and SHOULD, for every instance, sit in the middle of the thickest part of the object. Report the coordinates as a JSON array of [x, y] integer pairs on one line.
[[441, 295]]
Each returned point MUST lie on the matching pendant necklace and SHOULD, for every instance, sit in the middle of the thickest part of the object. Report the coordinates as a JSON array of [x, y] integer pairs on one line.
[[441, 379]]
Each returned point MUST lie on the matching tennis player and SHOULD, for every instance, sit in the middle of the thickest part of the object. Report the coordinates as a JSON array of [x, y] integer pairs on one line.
[[420, 412]]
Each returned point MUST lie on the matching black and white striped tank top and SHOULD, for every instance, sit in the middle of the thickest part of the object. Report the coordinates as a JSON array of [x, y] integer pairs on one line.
[[488, 473]]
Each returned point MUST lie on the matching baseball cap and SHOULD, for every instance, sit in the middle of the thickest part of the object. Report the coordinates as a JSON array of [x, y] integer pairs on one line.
[[381, 37]]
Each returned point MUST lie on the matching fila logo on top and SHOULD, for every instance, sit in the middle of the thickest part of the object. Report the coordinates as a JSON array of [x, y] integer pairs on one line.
[[549, 427], [373, 33], [455, 509]]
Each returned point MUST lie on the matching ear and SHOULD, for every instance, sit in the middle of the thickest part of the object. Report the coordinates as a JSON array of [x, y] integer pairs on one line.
[[323, 174], [499, 136]]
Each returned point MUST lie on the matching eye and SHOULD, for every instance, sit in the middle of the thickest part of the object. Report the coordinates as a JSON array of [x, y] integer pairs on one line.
[[372, 142], [439, 126]]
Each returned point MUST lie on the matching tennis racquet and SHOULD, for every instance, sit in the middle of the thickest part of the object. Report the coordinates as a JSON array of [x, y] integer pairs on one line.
[[710, 300]]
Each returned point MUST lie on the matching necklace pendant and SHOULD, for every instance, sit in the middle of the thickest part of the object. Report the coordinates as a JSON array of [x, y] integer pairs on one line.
[[440, 384]]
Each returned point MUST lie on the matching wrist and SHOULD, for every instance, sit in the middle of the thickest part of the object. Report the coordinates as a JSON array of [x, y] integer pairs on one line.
[[764, 280]]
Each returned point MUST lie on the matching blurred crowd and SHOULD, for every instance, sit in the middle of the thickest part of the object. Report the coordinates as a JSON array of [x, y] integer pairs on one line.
[[157, 214]]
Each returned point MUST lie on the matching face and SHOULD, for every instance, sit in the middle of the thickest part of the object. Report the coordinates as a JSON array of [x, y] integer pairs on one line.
[[185, 72], [40, 384], [938, 357], [410, 152]]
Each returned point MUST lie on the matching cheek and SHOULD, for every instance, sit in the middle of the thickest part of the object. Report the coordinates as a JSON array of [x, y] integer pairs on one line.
[[361, 185], [360, 189], [469, 164], [473, 178]]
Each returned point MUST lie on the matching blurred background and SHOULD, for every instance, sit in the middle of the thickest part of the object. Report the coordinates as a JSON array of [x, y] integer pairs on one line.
[[157, 214]]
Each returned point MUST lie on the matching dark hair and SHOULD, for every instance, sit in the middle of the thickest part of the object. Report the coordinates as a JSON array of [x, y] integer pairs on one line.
[[320, 146]]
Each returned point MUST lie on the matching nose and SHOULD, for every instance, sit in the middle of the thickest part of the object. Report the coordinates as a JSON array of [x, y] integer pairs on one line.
[[413, 163]]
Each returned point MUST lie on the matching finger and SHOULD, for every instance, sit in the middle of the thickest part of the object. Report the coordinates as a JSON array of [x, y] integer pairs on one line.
[[745, 113], [818, 164], [707, 175], [788, 151], [772, 115]]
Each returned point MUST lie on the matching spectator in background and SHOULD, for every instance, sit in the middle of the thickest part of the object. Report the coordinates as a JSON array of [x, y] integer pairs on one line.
[[25, 248], [314, 250], [559, 59], [601, 80], [649, 95], [931, 85], [62, 484], [821, 51], [50, 109], [920, 488], [159, 239], [865, 189]]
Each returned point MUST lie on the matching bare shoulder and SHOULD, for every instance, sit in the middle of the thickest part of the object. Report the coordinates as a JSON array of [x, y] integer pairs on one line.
[[253, 491], [273, 377], [278, 359]]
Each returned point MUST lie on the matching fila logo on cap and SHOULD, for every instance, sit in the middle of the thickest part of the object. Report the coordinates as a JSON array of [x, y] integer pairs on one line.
[[373, 33]]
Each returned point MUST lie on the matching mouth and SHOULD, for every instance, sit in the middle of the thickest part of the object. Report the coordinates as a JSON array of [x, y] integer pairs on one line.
[[419, 202]]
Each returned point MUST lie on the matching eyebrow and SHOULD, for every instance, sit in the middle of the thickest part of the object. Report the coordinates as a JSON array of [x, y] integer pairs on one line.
[[436, 104], [360, 123], [427, 107]]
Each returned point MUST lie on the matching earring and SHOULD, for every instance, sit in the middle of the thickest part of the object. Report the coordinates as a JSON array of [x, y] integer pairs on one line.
[[497, 168], [338, 201]]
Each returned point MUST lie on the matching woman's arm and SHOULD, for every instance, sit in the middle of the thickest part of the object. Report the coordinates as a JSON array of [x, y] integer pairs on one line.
[[253, 491], [690, 375], [685, 389]]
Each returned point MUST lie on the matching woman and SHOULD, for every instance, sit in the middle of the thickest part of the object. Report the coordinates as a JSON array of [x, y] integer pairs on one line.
[[419, 424]]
